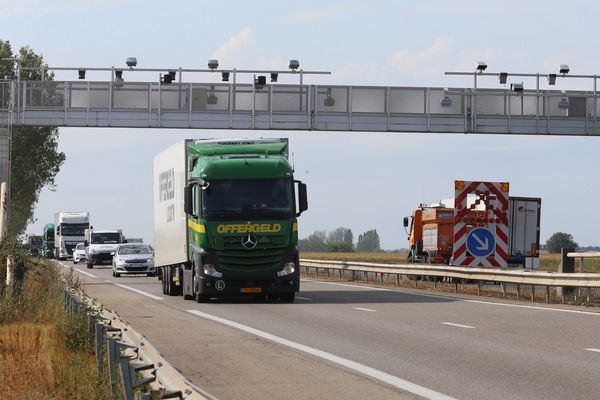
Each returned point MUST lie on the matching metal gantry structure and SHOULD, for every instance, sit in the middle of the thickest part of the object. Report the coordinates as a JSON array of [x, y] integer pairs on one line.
[[174, 100]]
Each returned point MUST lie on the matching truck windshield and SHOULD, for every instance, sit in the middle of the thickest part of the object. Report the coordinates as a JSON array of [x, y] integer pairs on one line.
[[73, 229], [106, 238], [248, 198]]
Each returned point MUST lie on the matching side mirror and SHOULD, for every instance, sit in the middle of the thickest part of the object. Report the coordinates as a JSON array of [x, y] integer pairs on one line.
[[188, 200], [405, 222], [86, 243], [302, 198]]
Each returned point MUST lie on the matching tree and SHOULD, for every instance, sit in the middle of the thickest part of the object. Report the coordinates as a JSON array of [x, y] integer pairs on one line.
[[314, 242], [368, 241], [558, 240], [340, 240], [34, 152]]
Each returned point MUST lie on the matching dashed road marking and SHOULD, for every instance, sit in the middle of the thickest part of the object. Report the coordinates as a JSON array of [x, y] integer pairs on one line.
[[594, 350], [361, 368], [303, 298], [364, 309], [458, 325], [85, 273], [138, 291], [597, 314]]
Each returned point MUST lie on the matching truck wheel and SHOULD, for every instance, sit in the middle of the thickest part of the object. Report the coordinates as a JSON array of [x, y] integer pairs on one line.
[[163, 280], [172, 289], [74, 261], [159, 273], [287, 298], [202, 298]]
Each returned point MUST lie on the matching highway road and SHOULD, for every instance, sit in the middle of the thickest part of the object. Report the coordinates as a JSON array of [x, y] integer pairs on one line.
[[351, 341]]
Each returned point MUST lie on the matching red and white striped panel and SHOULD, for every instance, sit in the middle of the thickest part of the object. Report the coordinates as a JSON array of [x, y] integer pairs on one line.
[[496, 221]]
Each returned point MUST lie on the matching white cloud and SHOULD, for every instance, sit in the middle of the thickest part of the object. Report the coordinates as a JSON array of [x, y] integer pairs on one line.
[[424, 62], [229, 52]]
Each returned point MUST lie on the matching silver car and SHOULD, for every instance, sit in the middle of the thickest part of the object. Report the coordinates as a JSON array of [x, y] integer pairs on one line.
[[133, 258]]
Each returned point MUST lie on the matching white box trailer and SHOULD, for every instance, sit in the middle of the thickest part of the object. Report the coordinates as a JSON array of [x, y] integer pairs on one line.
[[170, 229], [524, 215]]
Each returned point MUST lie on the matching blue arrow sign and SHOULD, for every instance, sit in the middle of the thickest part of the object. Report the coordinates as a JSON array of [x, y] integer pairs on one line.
[[481, 242]]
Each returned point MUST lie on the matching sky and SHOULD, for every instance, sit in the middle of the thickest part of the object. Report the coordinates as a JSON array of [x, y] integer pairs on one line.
[[357, 180]]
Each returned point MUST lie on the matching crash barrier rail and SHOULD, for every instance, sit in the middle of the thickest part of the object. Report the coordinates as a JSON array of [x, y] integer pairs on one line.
[[582, 256], [139, 364], [517, 277]]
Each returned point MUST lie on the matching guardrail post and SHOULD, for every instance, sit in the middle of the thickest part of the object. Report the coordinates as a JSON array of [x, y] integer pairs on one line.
[[478, 288], [398, 279], [99, 341], [547, 294], [518, 291], [125, 379], [533, 293], [353, 275], [589, 295], [455, 285], [503, 288]]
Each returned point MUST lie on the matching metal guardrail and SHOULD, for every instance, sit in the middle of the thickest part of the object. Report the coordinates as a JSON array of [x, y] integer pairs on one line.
[[517, 277], [139, 364]]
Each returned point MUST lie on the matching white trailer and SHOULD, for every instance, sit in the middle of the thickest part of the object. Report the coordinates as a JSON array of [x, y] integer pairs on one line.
[[69, 230], [170, 222], [524, 214]]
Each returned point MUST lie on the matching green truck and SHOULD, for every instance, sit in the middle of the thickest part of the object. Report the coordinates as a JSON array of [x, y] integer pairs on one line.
[[225, 219], [48, 241]]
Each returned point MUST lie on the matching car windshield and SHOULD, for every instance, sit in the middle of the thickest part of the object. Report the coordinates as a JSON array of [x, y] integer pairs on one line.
[[106, 238], [140, 249], [73, 229], [80, 246], [248, 198]]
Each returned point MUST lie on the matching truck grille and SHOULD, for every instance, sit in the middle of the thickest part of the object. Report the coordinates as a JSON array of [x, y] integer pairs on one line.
[[267, 254]]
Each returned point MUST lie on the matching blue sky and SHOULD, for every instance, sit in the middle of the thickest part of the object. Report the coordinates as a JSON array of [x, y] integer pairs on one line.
[[358, 180]]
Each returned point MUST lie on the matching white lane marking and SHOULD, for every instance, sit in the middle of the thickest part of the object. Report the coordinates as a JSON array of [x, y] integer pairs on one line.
[[458, 325], [364, 309], [361, 368], [139, 291], [597, 314], [303, 298], [594, 350], [85, 273]]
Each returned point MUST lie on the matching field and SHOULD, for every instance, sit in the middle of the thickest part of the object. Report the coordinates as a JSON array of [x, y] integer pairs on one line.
[[548, 262], [44, 353]]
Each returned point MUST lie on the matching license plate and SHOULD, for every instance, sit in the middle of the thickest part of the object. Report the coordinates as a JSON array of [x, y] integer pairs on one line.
[[251, 290]]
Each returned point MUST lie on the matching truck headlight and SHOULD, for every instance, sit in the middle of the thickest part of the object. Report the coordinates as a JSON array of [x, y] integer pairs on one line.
[[210, 270], [288, 268]]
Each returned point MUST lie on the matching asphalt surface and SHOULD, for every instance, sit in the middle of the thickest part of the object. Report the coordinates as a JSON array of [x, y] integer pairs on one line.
[[351, 341]]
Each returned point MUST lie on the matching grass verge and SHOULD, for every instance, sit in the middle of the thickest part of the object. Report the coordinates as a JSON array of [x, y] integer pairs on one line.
[[44, 352]]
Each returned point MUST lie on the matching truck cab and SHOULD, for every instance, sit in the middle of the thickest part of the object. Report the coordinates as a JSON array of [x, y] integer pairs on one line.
[[69, 230], [101, 244], [48, 240]]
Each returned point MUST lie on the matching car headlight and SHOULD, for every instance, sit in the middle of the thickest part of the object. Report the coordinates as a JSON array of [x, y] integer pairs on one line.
[[210, 270], [288, 268]]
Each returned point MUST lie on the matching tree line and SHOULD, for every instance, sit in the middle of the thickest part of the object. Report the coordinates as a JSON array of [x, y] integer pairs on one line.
[[340, 240]]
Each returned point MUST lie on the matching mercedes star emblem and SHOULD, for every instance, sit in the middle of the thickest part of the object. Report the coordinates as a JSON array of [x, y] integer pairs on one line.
[[249, 241]]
